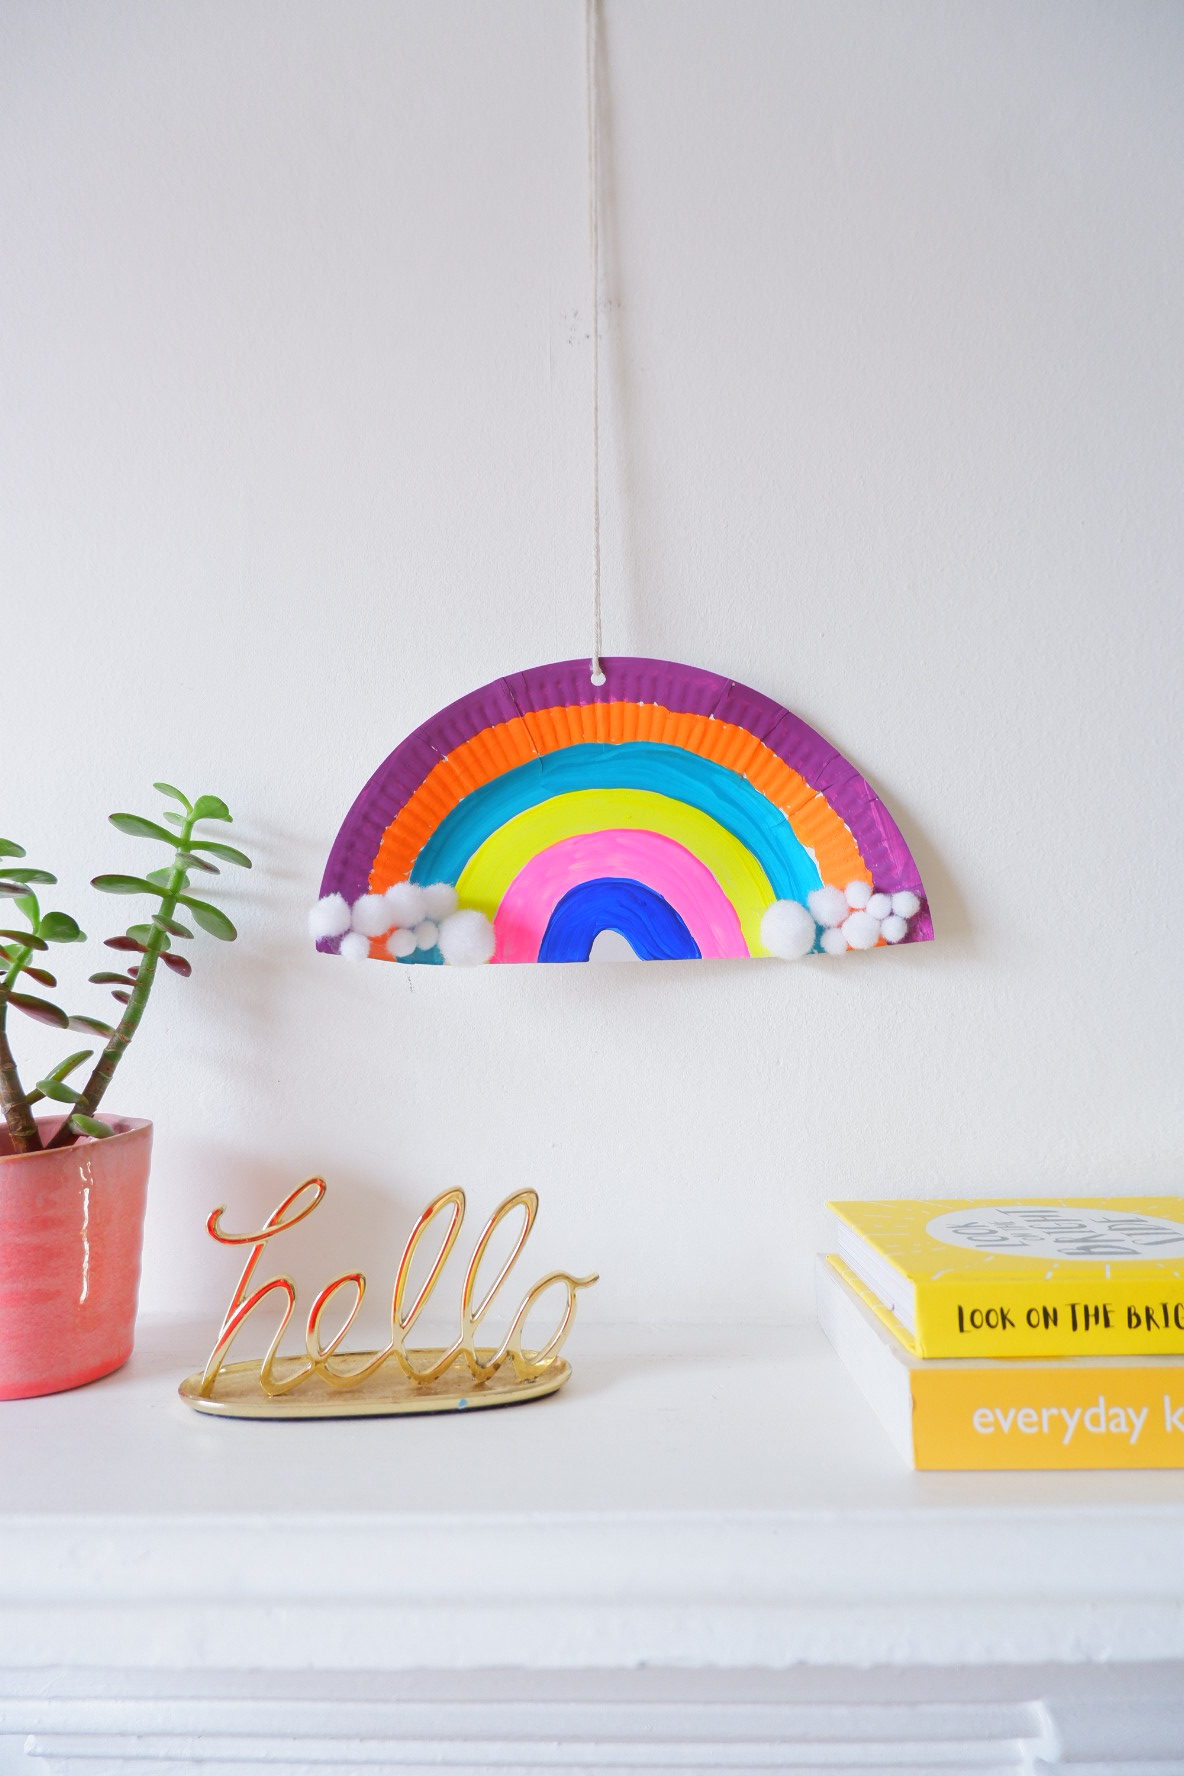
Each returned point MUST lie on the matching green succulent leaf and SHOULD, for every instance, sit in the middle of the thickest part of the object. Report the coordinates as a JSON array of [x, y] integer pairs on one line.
[[228, 853], [210, 918], [41, 1009], [29, 906], [209, 807], [105, 978], [160, 878], [173, 818], [91, 1126], [28, 940], [91, 1026], [10, 889], [8, 848], [25, 876], [139, 828], [61, 928], [59, 1072], [124, 885], [167, 789], [172, 926], [59, 1091], [189, 861], [140, 935]]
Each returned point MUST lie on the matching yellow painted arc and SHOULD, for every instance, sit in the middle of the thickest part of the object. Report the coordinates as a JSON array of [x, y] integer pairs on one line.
[[493, 866]]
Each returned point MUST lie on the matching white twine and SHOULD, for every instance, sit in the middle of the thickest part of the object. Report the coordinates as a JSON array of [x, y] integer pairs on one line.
[[591, 59]]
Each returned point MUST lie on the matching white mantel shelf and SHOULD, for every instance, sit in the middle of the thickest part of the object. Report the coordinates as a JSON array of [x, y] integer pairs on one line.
[[701, 1556], [705, 1499]]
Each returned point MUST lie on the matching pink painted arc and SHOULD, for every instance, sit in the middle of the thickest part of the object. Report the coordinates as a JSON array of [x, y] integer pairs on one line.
[[661, 863]]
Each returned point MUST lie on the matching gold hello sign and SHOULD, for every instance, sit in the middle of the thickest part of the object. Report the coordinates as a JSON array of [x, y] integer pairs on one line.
[[329, 1382]]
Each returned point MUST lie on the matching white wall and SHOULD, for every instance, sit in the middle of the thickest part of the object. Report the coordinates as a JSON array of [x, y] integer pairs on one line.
[[295, 452]]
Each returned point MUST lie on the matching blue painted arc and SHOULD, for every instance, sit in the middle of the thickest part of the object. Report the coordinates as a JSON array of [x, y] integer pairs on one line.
[[642, 916], [632, 764]]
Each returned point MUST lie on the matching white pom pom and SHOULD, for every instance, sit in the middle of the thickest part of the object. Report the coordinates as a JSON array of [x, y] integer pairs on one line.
[[828, 905], [439, 899], [400, 944], [880, 905], [354, 947], [905, 904], [858, 894], [330, 916], [788, 930], [894, 928], [405, 904], [371, 915], [833, 941], [426, 934], [467, 937], [862, 931]]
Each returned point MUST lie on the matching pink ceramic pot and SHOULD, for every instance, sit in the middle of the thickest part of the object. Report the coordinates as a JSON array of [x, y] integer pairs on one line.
[[71, 1233]]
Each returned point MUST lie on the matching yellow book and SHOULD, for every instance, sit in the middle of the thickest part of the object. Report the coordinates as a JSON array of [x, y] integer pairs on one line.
[[967, 1412], [1024, 1276]]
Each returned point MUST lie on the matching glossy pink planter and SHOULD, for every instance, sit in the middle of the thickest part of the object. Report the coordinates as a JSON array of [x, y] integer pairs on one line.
[[71, 1234]]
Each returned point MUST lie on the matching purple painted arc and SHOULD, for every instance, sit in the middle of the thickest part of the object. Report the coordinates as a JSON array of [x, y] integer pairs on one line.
[[661, 863], [683, 689]]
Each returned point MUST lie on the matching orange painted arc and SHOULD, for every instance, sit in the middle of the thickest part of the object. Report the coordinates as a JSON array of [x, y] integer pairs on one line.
[[505, 745]]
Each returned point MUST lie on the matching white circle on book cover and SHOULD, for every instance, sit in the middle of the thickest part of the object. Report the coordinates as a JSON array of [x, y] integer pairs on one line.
[[1053, 1230]]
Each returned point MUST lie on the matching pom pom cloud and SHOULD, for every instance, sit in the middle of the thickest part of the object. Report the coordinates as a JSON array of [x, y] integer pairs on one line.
[[836, 920], [425, 921], [410, 919], [330, 917]]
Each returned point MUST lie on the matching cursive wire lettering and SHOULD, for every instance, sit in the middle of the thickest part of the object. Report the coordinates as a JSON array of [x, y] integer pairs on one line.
[[320, 1351]]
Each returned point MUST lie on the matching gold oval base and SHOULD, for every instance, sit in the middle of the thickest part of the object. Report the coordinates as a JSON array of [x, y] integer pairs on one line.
[[387, 1393]]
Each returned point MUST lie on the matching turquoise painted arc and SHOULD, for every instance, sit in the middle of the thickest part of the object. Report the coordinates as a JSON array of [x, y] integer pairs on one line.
[[649, 924], [672, 771]]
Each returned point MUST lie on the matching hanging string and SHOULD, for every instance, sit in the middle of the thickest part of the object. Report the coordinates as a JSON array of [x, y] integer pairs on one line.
[[591, 61]]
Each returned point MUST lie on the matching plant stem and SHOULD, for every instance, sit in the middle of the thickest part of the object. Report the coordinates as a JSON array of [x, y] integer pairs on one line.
[[22, 1125], [128, 1024]]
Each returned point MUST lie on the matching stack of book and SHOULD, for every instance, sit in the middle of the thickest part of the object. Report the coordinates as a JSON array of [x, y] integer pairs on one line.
[[1015, 1333]]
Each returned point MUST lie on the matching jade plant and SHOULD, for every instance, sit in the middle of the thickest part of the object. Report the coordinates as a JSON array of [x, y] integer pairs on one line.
[[150, 944]]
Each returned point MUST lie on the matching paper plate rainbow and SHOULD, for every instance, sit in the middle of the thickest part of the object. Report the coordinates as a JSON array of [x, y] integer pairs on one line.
[[669, 805]]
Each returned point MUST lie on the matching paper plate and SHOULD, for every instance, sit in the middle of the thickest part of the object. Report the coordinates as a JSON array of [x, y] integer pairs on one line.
[[761, 806]]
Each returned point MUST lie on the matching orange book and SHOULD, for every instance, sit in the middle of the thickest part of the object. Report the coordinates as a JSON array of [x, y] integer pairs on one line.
[[972, 1412]]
